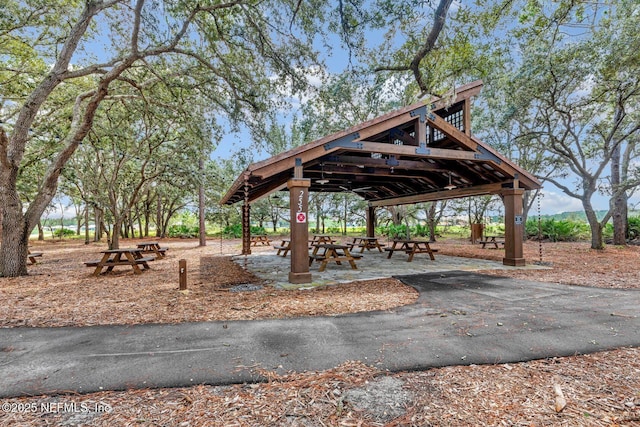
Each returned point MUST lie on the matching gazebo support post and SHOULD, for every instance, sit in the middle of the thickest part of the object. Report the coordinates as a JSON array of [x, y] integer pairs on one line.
[[246, 221], [371, 221], [513, 226], [299, 206]]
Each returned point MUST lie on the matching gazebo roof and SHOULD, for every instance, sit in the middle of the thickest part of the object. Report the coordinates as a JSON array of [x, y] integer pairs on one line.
[[419, 153]]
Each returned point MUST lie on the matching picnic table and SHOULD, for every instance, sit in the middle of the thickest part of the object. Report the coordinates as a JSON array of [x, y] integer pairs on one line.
[[152, 247], [491, 240], [411, 247], [114, 257], [33, 255], [367, 243], [331, 252], [262, 239], [283, 248], [322, 238]]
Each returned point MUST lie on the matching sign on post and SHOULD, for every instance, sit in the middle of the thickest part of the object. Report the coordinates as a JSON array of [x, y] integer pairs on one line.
[[301, 217]]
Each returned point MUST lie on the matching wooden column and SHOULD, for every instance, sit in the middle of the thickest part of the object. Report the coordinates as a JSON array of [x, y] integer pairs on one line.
[[513, 226], [371, 221], [466, 116], [299, 205], [246, 221]]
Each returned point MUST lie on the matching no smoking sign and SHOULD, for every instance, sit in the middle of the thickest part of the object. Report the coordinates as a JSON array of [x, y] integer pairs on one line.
[[301, 217]]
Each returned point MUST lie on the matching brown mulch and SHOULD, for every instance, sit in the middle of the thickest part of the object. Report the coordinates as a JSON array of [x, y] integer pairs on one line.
[[601, 389], [61, 291], [572, 263]]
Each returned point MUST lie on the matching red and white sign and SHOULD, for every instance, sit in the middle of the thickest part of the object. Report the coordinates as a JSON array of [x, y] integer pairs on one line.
[[301, 217]]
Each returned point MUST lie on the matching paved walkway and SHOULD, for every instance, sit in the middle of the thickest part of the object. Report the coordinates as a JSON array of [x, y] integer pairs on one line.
[[460, 317]]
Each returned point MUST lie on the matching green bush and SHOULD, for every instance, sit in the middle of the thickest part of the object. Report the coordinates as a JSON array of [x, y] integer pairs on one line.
[[421, 230], [558, 230], [395, 231], [633, 227], [183, 231], [235, 230], [63, 232]]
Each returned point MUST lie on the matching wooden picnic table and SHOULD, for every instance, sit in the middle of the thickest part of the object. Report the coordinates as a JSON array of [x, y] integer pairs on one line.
[[283, 248], [367, 243], [262, 239], [322, 238], [33, 255], [330, 252], [114, 257], [491, 240], [411, 247], [152, 247]]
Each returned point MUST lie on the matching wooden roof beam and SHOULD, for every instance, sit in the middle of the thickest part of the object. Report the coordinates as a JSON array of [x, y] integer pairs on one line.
[[426, 152], [389, 163], [441, 195]]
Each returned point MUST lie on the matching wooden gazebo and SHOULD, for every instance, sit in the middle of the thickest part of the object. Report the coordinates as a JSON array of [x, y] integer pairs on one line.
[[420, 153]]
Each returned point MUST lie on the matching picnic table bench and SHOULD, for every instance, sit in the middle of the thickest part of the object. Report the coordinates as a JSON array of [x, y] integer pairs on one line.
[[114, 257], [322, 238], [152, 247], [283, 248], [411, 247], [333, 253], [262, 239], [367, 243], [33, 255], [491, 240]]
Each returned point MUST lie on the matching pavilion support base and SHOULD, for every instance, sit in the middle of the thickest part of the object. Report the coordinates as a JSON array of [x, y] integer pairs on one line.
[[514, 262], [299, 278]]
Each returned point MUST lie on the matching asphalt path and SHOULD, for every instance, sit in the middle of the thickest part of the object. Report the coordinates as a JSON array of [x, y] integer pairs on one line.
[[459, 318]]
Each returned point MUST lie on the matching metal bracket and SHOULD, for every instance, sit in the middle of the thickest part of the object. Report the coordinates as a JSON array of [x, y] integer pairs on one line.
[[484, 154], [421, 111], [422, 149], [347, 141], [392, 161]]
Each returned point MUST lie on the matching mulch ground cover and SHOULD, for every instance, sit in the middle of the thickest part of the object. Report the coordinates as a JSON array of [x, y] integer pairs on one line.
[[601, 389]]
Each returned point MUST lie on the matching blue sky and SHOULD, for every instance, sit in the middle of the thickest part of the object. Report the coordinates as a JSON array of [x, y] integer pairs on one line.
[[554, 201]]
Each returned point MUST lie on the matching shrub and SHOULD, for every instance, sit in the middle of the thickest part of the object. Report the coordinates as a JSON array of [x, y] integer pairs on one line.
[[235, 230], [63, 232], [183, 231], [558, 230], [633, 227], [395, 231]]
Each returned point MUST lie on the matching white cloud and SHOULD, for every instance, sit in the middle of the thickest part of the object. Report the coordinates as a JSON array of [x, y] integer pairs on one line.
[[553, 203]]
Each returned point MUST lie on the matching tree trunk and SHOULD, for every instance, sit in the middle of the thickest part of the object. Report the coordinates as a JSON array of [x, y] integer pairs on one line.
[[15, 238], [202, 232], [159, 225], [620, 220], [78, 223], [99, 224], [431, 221], [40, 231], [115, 238], [597, 241], [86, 225]]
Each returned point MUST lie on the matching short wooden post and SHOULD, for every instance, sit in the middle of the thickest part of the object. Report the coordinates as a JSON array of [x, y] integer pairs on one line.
[[182, 269]]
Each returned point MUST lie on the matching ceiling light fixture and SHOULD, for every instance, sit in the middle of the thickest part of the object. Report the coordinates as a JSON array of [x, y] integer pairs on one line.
[[322, 179], [451, 186]]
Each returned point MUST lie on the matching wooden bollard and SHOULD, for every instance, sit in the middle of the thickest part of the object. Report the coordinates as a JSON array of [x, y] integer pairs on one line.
[[182, 269]]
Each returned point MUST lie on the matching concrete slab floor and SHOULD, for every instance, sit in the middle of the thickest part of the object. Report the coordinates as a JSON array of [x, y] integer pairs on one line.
[[274, 269]]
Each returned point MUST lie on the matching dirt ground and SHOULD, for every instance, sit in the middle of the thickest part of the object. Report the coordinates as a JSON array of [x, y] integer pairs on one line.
[[601, 389]]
